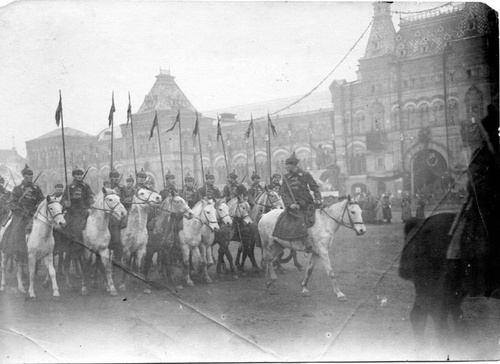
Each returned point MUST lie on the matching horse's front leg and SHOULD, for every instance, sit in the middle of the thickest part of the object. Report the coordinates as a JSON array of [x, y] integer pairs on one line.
[[3, 270], [293, 253], [127, 267], [310, 267], [19, 274], [271, 252], [86, 268], [31, 272], [203, 254], [185, 260], [49, 263], [325, 259], [108, 265]]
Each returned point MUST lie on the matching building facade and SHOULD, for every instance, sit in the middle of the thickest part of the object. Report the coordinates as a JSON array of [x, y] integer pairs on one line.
[[402, 125]]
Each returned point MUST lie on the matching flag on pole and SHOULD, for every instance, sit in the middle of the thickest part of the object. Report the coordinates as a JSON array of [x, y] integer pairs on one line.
[[59, 110], [155, 124], [273, 129], [129, 111], [250, 128], [111, 110], [177, 120], [196, 127], [219, 129]]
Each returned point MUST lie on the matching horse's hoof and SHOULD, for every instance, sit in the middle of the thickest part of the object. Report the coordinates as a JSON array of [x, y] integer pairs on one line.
[[30, 298], [113, 293], [23, 291], [342, 298], [179, 287], [190, 284], [122, 288], [84, 292], [305, 293], [56, 297], [300, 268], [208, 280], [147, 291]]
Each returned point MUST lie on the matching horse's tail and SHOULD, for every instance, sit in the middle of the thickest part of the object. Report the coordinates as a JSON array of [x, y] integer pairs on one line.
[[406, 262]]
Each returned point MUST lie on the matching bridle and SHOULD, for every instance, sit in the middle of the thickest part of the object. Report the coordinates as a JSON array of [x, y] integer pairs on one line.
[[217, 204], [49, 212], [143, 201], [110, 208], [170, 210], [341, 221], [208, 220]]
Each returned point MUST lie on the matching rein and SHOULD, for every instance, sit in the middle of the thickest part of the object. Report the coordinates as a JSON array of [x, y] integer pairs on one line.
[[110, 208], [341, 222]]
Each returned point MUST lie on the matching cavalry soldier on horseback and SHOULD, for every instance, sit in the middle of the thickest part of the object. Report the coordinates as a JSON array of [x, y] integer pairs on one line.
[[255, 189], [233, 189], [77, 208], [58, 190], [475, 232], [4, 201], [208, 189], [23, 203], [128, 193], [275, 182], [299, 204], [170, 188], [141, 180], [114, 223], [189, 193]]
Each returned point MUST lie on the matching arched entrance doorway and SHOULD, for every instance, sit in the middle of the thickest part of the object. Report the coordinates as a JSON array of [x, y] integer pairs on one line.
[[428, 173]]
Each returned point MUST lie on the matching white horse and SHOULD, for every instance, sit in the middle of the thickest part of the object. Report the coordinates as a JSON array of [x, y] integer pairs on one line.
[[49, 214], [134, 237], [327, 221], [190, 237], [96, 234], [265, 201], [3, 268]]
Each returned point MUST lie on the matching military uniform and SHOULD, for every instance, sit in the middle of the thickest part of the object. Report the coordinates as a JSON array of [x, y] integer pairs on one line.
[[296, 190], [189, 193], [81, 199], [255, 189], [208, 189], [275, 183], [233, 188], [115, 223], [170, 189], [23, 204]]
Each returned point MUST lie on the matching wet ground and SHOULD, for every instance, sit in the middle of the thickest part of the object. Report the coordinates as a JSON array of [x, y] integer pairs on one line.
[[236, 319]]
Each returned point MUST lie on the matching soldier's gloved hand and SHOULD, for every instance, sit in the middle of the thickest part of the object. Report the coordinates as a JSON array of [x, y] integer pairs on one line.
[[294, 206], [318, 201]]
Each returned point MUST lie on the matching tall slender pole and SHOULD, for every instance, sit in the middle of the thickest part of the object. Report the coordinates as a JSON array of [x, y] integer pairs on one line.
[[269, 149], [446, 50], [111, 111], [132, 129], [201, 154], [253, 142], [180, 149], [161, 156], [64, 149], [223, 145]]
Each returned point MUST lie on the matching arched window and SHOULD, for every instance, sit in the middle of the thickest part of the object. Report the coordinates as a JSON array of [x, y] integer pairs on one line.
[[424, 115], [377, 116]]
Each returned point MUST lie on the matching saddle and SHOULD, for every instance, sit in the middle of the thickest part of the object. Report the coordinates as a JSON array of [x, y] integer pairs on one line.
[[293, 224]]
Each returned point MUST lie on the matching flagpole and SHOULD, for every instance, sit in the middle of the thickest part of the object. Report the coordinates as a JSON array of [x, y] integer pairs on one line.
[[159, 146], [112, 128], [180, 148], [199, 146], [64, 146], [219, 128], [269, 146], [132, 128], [253, 141]]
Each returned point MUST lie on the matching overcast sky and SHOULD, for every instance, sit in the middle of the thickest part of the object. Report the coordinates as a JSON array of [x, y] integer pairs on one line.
[[222, 54]]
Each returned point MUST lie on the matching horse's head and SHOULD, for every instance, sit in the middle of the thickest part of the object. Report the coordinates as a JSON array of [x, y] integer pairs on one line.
[[179, 205], [112, 204], [145, 196], [55, 211], [240, 208], [275, 200], [209, 214], [223, 211], [354, 218]]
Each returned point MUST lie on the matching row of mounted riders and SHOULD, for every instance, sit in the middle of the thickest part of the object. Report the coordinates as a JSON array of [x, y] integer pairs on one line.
[[175, 233]]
